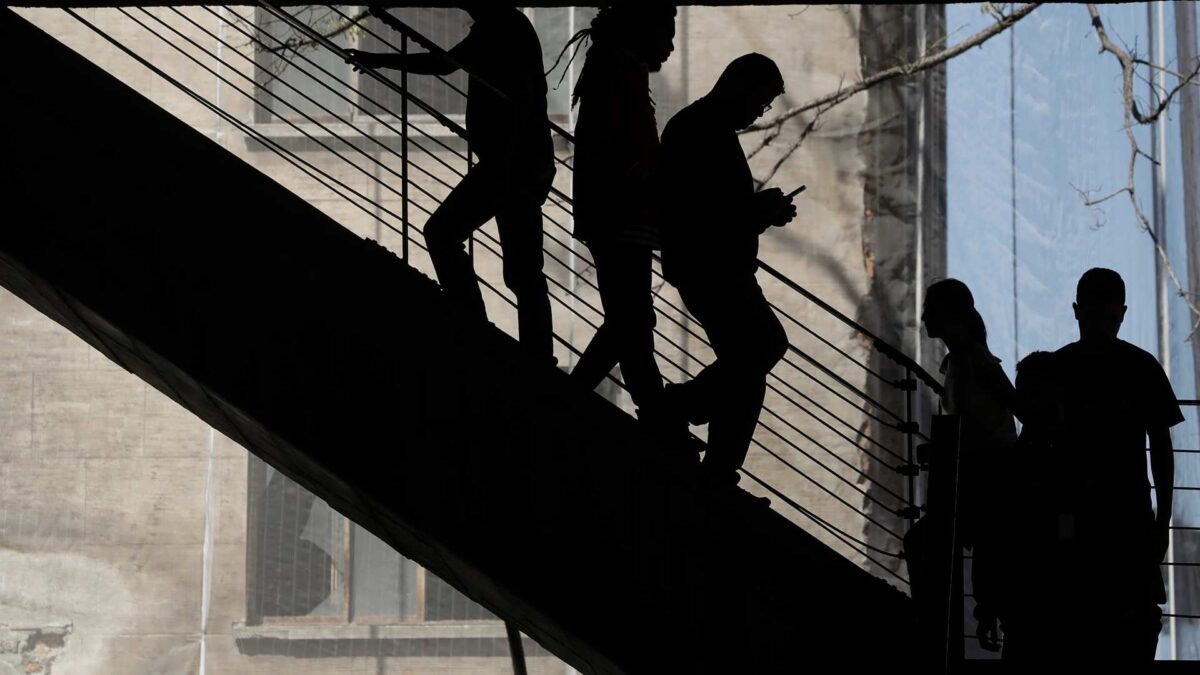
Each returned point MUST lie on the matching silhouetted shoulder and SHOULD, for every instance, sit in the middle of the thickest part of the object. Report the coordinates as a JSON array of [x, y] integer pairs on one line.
[[1126, 372], [686, 123], [1116, 352]]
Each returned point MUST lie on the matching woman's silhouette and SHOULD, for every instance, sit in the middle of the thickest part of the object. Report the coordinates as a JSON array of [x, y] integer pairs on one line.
[[980, 393]]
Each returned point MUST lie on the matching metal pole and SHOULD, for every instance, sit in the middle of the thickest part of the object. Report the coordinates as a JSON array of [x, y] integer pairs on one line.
[[919, 244], [404, 151], [1159, 185], [471, 241], [516, 649], [909, 386], [572, 256], [1188, 147], [1158, 177]]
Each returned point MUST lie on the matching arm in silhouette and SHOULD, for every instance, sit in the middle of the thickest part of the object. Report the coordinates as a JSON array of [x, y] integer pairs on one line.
[[430, 63], [420, 64], [1162, 467], [996, 381]]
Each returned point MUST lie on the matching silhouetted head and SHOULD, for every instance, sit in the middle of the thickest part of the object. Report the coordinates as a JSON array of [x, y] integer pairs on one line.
[[1099, 304], [745, 90], [1039, 389], [949, 314], [645, 27]]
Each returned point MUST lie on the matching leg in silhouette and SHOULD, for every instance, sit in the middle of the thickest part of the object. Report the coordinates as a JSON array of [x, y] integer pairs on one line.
[[469, 205], [748, 341], [598, 358], [627, 334], [519, 221]]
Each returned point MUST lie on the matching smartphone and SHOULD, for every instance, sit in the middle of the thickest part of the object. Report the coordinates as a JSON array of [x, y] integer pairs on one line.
[[797, 191]]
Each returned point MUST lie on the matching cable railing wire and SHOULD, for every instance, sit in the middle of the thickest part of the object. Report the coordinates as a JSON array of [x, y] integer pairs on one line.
[[304, 166], [836, 532], [352, 102], [452, 126], [254, 99]]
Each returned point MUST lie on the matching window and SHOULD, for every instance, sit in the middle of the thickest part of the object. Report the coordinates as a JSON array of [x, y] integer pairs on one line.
[[308, 563], [288, 78], [446, 27]]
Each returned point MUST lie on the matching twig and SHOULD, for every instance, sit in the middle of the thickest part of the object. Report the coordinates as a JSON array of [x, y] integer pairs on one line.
[[924, 63], [774, 127], [808, 129], [1131, 114]]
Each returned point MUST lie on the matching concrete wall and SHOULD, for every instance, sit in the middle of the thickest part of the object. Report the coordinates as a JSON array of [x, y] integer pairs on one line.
[[126, 571]]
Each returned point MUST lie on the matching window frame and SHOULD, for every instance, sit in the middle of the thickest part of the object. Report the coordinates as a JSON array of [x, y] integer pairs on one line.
[[275, 126], [257, 473]]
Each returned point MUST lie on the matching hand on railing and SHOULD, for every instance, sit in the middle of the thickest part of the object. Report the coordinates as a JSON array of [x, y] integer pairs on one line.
[[359, 60]]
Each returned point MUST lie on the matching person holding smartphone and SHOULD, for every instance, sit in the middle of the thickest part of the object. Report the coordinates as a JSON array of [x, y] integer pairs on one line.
[[710, 253]]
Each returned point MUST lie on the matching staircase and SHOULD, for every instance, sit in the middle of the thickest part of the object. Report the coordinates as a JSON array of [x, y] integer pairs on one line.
[[544, 503]]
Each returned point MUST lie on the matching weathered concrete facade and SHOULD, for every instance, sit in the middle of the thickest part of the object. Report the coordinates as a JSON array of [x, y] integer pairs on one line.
[[112, 491]]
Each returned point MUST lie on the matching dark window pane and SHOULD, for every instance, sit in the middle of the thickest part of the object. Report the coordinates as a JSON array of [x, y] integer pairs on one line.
[[301, 558], [444, 603], [296, 87]]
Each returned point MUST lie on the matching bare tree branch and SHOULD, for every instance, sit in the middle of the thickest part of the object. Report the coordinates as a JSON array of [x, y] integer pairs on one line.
[[774, 127], [1131, 115], [1089, 200], [296, 42], [903, 70], [808, 129], [1174, 73]]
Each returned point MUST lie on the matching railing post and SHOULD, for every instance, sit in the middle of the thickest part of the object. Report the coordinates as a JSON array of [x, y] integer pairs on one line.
[[935, 558], [909, 386], [515, 649], [471, 241], [404, 151]]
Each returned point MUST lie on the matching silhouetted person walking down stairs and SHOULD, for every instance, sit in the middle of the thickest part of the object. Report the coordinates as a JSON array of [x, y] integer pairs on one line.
[[1035, 538], [710, 253], [617, 210], [1117, 397], [979, 392], [510, 133]]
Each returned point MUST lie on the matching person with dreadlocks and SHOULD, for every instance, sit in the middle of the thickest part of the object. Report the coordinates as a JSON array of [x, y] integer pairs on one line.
[[616, 216]]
